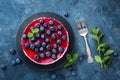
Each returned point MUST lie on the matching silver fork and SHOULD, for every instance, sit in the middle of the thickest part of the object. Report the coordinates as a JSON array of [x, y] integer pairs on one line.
[[83, 31]]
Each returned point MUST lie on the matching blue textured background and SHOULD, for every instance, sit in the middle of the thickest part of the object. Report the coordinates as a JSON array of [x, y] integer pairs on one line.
[[101, 13]]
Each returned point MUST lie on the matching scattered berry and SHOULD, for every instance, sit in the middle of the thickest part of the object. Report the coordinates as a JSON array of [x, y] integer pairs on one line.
[[12, 51], [73, 73], [66, 14], [13, 62], [115, 54], [3, 66], [53, 76], [18, 61]]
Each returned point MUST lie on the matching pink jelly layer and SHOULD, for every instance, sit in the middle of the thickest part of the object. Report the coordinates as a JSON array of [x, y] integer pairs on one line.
[[47, 60]]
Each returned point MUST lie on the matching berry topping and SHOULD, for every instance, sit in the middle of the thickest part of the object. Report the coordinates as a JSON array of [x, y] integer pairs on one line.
[[53, 36], [64, 37], [45, 25], [43, 44], [59, 27], [36, 49], [59, 41], [42, 28], [48, 32], [24, 36], [59, 33], [37, 25], [36, 57], [51, 22], [47, 40], [54, 51], [42, 55], [32, 46], [41, 49], [55, 46], [33, 39], [54, 56], [41, 21], [60, 49], [47, 54], [37, 44], [52, 28], [48, 47], [27, 45], [42, 36], [37, 35]]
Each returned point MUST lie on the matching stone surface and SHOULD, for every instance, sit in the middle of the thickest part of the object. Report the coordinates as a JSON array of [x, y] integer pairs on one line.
[[104, 14]]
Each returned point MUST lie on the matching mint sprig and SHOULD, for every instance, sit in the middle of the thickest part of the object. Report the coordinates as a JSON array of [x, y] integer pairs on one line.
[[103, 57], [71, 59], [33, 32]]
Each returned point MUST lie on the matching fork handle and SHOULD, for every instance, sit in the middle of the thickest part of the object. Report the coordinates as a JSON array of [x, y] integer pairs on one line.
[[90, 59]]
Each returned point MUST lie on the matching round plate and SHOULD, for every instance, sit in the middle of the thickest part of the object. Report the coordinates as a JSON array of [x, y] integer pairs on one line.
[[60, 62]]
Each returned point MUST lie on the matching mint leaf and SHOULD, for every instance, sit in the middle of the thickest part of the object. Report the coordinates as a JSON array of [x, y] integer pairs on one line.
[[96, 38], [107, 53], [68, 56], [108, 61], [95, 30], [101, 35], [98, 59], [106, 58], [29, 35], [75, 56], [102, 46], [68, 64], [35, 31]]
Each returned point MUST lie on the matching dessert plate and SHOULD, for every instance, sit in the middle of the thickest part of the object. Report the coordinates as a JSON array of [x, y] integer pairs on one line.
[[62, 60]]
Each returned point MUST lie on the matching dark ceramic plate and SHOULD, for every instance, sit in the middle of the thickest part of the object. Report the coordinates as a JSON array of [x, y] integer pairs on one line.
[[60, 62]]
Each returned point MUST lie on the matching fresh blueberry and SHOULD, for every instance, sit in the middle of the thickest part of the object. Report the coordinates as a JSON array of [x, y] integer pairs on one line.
[[55, 46], [48, 47], [115, 54], [41, 21], [45, 25], [64, 37], [3, 66], [32, 39], [31, 28], [42, 29], [37, 35], [52, 28], [59, 27], [37, 25], [42, 36], [32, 46], [37, 44], [53, 76], [41, 49], [48, 32], [43, 44], [12, 51], [42, 55], [51, 22], [13, 62], [59, 33], [53, 36], [54, 56], [27, 45], [66, 14], [59, 41], [18, 60], [54, 51], [47, 54], [24, 36], [36, 57], [60, 49], [73, 73], [36, 49], [47, 40]]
